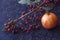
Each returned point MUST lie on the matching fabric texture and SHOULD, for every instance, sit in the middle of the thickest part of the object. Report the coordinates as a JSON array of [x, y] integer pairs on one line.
[[12, 9]]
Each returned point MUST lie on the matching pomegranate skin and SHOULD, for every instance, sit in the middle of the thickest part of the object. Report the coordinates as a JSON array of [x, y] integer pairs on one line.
[[49, 20]]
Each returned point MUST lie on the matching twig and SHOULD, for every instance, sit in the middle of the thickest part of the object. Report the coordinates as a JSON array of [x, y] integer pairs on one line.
[[38, 7]]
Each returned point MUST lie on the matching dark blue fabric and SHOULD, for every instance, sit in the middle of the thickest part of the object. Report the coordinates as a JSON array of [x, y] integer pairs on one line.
[[11, 8]]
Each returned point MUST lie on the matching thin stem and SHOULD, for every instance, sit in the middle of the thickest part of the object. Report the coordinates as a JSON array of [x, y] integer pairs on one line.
[[38, 7]]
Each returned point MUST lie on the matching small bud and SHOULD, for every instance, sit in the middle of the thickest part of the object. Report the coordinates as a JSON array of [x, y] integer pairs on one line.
[[25, 29]]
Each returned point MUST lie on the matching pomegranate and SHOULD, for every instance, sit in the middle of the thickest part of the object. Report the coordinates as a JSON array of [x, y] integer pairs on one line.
[[49, 20]]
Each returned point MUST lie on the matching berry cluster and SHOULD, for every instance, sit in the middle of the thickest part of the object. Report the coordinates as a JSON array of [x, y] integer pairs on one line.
[[11, 25]]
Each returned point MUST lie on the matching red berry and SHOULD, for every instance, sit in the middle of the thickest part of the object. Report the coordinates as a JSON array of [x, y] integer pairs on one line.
[[13, 26], [47, 1], [29, 18], [31, 6], [34, 15], [37, 26], [16, 31], [39, 18], [25, 29], [47, 4], [8, 26], [23, 13], [55, 1], [19, 27], [31, 26], [40, 11], [30, 10], [29, 29], [38, 3], [9, 29], [22, 28], [5, 24], [26, 21]]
